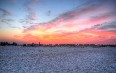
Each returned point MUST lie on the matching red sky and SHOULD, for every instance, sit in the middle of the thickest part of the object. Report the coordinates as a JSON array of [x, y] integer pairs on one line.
[[86, 22]]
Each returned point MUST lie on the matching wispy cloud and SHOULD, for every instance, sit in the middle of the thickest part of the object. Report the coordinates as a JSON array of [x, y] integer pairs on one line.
[[82, 17], [89, 22], [78, 23], [32, 14], [4, 12], [4, 22], [107, 26]]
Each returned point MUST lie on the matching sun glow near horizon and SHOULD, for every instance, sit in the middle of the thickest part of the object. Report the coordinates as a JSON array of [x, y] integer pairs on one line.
[[58, 21]]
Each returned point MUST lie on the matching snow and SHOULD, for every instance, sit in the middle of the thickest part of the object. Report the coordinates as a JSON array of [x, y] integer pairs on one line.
[[18, 59]]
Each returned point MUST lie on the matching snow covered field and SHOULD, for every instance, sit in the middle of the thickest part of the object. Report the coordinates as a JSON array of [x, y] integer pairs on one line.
[[57, 59]]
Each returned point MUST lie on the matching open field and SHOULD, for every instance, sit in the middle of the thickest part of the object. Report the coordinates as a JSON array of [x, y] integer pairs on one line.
[[18, 59]]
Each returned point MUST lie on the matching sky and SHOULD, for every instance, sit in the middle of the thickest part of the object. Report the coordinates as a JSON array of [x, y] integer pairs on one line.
[[58, 21]]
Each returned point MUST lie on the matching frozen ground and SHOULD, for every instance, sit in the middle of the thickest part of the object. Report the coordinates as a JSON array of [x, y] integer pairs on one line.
[[57, 60]]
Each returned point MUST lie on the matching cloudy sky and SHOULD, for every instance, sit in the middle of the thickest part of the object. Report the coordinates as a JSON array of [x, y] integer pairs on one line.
[[58, 21]]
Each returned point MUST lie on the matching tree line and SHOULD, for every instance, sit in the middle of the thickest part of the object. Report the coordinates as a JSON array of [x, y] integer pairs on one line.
[[8, 44], [55, 45]]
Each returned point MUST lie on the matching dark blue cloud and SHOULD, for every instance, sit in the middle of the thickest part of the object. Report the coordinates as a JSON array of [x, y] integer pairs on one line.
[[4, 12], [107, 26], [84, 8]]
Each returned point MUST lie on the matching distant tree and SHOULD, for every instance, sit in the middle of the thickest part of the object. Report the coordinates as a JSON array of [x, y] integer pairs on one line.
[[4, 43], [15, 44], [24, 45], [33, 44]]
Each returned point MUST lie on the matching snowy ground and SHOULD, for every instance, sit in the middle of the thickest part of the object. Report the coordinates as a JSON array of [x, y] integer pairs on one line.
[[57, 60]]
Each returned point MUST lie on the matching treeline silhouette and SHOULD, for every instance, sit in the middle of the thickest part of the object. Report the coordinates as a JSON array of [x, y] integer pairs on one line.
[[55, 45], [8, 44]]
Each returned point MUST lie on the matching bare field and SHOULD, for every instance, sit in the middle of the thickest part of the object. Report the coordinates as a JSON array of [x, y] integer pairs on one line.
[[18, 59]]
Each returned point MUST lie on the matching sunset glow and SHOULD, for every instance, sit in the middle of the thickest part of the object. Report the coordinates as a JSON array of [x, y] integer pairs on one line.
[[58, 21]]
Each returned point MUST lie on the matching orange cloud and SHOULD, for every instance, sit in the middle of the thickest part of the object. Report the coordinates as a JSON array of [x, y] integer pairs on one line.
[[75, 26], [85, 36], [69, 31]]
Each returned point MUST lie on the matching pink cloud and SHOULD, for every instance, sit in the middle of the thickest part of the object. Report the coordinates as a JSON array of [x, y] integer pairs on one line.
[[75, 24]]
